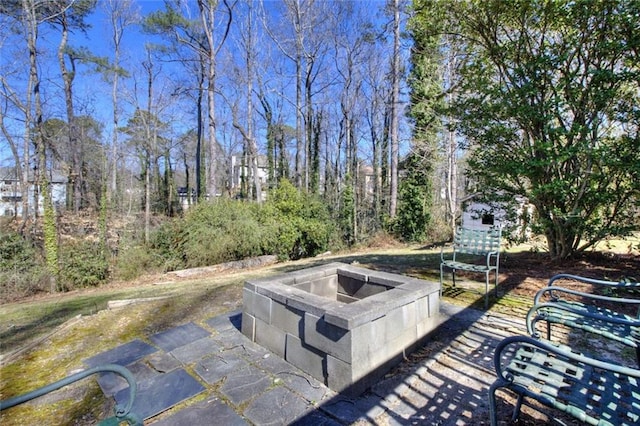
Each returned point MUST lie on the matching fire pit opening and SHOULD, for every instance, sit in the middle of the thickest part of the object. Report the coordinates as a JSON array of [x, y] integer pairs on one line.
[[342, 324]]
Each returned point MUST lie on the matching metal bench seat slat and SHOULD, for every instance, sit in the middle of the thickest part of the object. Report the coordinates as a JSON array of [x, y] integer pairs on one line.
[[467, 266], [607, 316], [626, 334], [596, 392]]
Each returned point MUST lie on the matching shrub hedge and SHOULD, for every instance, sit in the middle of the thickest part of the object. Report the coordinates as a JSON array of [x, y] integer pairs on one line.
[[290, 225]]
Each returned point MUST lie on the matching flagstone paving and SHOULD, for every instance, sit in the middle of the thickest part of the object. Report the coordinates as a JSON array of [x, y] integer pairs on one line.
[[210, 373]]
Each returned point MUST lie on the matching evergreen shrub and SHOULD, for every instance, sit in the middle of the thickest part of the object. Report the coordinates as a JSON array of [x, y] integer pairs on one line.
[[298, 224], [82, 264], [289, 224], [21, 270], [133, 261], [221, 231]]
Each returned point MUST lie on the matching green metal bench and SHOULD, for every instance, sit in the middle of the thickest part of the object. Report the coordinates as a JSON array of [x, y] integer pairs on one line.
[[483, 246], [590, 390], [122, 413], [584, 311]]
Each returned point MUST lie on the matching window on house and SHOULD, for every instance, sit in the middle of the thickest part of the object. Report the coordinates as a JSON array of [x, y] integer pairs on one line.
[[487, 219]]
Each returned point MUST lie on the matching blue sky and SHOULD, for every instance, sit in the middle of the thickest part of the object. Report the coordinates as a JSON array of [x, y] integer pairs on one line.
[[93, 94]]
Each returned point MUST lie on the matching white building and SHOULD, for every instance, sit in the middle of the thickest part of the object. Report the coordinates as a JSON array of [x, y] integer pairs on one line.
[[11, 195], [239, 170], [477, 214]]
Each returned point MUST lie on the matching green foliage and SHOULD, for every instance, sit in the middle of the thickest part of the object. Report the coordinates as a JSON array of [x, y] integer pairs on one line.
[[546, 123], [50, 232], [21, 273], [221, 231], [425, 79], [296, 224], [290, 225], [346, 212], [82, 264], [165, 248], [133, 261], [414, 201]]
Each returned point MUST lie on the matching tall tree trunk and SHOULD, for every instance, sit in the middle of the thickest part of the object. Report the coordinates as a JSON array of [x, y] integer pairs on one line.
[[385, 159], [149, 151], [49, 229], [395, 101], [314, 158], [75, 169], [308, 121], [199, 131], [451, 196], [299, 118], [375, 151], [207, 17], [121, 15], [271, 138], [113, 188], [253, 148]]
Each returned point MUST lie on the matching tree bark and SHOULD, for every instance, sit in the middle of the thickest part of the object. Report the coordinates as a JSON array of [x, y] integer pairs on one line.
[[395, 101], [207, 17], [74, 145]]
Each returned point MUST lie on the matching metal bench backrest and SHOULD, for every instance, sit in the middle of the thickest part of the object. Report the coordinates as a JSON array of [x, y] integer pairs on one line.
[[477, 241]]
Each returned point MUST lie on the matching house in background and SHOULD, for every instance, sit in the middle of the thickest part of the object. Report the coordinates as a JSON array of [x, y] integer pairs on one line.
[[187, 197], [479, 214], [239, 170], [11, 195]]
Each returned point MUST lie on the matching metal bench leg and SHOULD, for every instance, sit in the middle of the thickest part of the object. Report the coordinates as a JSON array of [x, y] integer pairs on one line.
[[493, 416], [493, 407], [516, 410], [486, 291], [548, 330]]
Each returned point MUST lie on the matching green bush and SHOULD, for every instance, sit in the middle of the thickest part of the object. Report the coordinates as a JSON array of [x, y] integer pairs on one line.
[[21, 270], [165, 251], [222, 231], [133, 261], [82, 264], [290, 224], [296, 224], [414, 201], [209, 233]]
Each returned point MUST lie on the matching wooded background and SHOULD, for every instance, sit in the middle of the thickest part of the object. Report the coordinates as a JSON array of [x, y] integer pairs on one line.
[[386, 113]]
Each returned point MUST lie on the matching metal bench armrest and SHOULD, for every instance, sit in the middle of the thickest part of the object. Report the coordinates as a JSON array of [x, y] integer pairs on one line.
[[553, 292], [532, 316], [123, 413], [490, 255], [503, 355], [623, 283]]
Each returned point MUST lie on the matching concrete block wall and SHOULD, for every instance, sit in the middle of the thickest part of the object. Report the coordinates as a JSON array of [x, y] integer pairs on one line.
[[347, 346]]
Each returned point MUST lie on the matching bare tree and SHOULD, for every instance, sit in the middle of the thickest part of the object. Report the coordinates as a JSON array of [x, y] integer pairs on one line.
[[376, 94], [10, 98], [68, 18], [207, 10], [32, 13], [308, 19], [248, 47], [121, 14], [395, 102]]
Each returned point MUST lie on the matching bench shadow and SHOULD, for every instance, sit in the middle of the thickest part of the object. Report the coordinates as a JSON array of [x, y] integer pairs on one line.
[[444, 382]]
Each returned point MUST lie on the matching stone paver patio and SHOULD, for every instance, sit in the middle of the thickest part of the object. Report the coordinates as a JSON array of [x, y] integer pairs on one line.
[[212, 374]]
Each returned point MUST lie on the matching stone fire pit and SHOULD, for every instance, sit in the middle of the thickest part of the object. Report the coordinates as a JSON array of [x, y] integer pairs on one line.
[[342, 324]]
